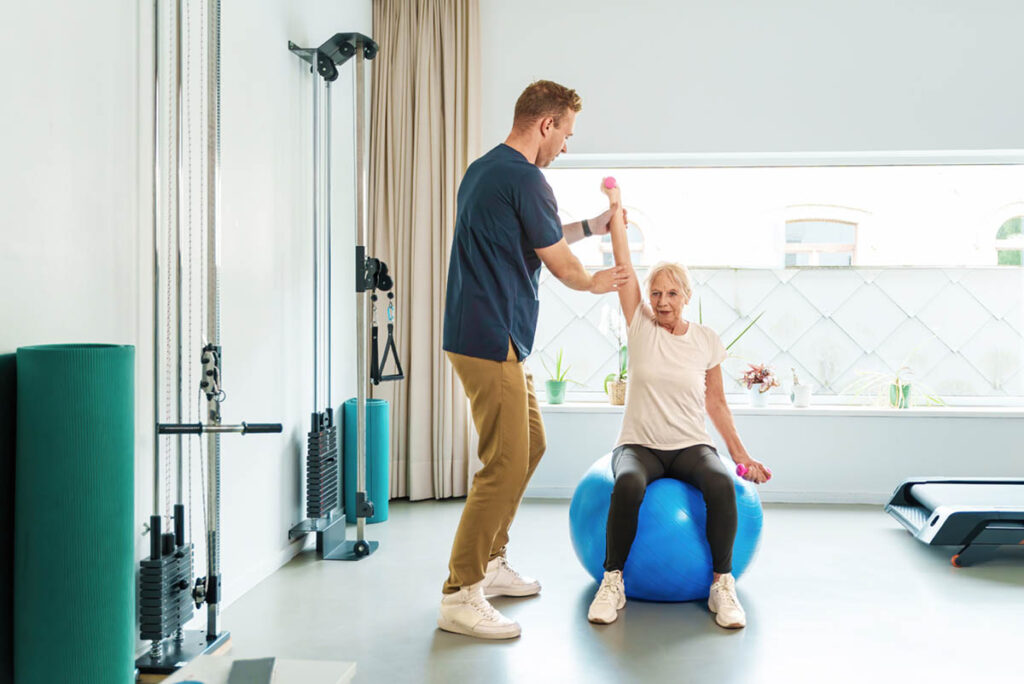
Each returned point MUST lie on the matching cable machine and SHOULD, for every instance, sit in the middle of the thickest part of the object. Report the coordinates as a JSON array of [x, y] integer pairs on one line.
[[324, 486], [167, 588]]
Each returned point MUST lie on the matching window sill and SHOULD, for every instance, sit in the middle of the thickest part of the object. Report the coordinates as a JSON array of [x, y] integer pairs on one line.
[[785, 410]]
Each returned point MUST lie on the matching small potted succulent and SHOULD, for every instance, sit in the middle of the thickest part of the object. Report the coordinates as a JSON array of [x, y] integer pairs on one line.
[[759, 379], [799, 395], [557, 381]]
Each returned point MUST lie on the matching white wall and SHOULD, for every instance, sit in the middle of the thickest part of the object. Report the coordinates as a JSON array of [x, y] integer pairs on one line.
[[266, 299], [817, 455], [68, 174], [659, 76], [74, 189], [75, 262]]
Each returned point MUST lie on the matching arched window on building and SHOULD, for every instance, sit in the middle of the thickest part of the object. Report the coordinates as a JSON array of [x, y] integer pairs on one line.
[[1010, 242], [820, 242], [637, 244]]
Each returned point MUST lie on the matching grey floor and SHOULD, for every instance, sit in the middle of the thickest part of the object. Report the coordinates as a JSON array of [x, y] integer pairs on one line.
[[836, 594]]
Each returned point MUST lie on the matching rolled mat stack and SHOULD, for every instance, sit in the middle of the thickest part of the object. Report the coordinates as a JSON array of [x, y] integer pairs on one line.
[[74, 602], [8, 396]]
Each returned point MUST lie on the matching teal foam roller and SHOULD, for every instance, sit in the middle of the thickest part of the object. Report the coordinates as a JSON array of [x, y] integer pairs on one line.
[[74, 570], [378, 457]]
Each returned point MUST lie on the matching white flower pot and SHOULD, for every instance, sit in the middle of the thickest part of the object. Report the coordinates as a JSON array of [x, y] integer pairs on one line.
[[757, 397]]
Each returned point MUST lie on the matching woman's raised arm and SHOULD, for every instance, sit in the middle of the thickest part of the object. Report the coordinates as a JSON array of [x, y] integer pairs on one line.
[[629, 291]]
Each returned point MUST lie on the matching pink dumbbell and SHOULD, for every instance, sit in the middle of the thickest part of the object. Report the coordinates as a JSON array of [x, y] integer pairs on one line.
[[609, 182], [741, 470]]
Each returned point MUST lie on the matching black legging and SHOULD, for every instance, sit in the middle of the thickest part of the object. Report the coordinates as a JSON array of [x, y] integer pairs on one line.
[[635, 467]]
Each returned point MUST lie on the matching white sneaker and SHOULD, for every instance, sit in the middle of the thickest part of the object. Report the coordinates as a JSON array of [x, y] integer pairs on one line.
[[468, 612], [723, 602], [501, 580], [610, 598]]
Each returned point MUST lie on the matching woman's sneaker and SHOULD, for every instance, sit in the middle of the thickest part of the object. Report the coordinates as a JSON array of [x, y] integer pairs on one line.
[[610, 599], [468, 612], [500, 579], [722, 601]]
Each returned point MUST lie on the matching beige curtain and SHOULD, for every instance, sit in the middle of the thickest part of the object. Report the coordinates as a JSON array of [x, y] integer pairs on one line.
[[424, 133]]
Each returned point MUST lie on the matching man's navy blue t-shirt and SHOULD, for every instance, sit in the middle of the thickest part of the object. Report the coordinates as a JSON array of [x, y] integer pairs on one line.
[[506, 210]]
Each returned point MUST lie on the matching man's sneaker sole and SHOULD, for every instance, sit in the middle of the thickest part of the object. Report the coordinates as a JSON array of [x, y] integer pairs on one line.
[[515, 592], [455, 628]]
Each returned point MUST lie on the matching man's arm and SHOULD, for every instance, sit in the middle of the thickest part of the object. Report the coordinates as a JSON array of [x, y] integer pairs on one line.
[[573, 232], [564, 265], [599, 225]]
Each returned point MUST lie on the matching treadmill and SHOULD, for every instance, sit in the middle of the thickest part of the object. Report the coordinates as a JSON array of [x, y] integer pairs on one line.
[[977, 514]]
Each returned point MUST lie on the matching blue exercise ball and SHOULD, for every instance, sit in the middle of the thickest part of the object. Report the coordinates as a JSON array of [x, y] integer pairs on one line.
[[670, 559]]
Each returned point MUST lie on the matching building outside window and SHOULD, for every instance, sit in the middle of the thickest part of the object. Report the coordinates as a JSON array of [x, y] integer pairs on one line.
[[820, 242], [1010, 242]]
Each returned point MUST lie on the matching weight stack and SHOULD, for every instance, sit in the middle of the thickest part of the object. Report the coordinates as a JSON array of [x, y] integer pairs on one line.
[[165, 591], [322, 466]]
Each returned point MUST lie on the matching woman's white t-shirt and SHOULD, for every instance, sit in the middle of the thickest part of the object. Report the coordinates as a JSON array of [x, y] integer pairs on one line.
[[666, 383]]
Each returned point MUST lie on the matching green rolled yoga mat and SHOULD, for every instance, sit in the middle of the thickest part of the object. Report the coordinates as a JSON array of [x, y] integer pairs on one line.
[[8, 397], [378, 450], [74, 601]]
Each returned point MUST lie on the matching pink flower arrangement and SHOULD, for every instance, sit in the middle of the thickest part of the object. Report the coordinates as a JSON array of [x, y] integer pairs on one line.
[[759, 375]]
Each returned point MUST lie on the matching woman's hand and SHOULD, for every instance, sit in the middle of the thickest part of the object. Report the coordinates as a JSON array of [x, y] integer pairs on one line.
[[753, 471], [614, 194]]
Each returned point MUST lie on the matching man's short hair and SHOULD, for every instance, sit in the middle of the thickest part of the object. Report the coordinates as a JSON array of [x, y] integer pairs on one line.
[[542, 99]]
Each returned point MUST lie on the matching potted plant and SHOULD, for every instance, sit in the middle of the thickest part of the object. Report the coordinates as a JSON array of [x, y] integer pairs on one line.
[[615, 383], [759, 379], [799, 395], [700, 319], [614, 324], [893, 389], [558, 380]]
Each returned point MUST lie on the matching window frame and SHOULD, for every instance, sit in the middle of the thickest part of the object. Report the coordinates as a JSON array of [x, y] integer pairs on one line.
[[995, 157]]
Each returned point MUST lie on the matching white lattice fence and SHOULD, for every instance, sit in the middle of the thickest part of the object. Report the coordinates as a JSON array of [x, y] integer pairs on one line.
[[960, 330]]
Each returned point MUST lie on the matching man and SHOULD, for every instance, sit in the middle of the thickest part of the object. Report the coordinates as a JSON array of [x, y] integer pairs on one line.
[[506, 226]]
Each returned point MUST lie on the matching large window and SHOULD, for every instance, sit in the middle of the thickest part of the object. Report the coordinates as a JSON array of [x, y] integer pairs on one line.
[[860, 273]]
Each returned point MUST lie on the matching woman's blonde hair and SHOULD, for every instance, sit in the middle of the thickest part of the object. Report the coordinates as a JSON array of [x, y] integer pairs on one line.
[[676, 272]]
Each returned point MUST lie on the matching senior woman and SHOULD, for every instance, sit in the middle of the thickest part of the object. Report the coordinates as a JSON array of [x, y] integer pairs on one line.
[[674, 378]]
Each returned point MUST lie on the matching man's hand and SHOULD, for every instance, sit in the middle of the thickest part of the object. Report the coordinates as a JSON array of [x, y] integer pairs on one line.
[[609, 280], [601, 224]]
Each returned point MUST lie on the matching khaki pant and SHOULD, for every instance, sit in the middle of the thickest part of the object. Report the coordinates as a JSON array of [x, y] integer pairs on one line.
[[507, 418]]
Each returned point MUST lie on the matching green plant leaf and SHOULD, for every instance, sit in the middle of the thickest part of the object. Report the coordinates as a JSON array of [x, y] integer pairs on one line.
[[550, 374], [744, 331], [607, 379]]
